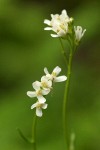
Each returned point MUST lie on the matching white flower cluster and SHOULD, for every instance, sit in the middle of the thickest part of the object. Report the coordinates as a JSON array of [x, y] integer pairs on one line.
[[43, 87], [61, 25]]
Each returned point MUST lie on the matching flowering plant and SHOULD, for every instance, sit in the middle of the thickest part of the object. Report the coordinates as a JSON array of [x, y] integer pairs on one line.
[[63, 27]]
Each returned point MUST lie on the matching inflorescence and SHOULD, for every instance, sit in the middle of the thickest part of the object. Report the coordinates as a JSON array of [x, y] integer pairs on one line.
[[63, 26], [43, 88]]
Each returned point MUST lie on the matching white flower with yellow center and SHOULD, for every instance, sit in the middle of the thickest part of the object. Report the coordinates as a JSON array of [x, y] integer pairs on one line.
[[39, 92], [79, 33], [54, 75], [39, 106], [59, 24], [45, 83]]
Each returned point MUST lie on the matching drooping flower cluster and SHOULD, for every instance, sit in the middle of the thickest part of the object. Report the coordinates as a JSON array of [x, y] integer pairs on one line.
[[62, 25], [43, 88]]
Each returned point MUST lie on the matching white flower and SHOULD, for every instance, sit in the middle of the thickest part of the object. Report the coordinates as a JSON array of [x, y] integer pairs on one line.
[[54, 74], [58, 24], [79, 32], [39, 106], [39, 92], [45, 83]]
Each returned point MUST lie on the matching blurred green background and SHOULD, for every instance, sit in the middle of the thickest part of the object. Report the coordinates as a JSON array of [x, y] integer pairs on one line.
[[25, 49]]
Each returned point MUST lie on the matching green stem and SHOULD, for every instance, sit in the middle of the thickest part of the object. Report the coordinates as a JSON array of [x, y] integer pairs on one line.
[[63, 52], [66, 96], [72, 140], [34, 133]]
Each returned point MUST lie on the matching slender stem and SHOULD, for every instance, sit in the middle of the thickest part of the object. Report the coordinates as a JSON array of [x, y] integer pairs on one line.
[[66, 96], [63, 52], [72, 140], [34, 133]]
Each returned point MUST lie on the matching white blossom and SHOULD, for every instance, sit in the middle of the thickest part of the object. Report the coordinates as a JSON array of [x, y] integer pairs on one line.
[[45, 83], [39, 92], [54, 75], [43, 87], [39, 106], [59, 24], [79, 33]]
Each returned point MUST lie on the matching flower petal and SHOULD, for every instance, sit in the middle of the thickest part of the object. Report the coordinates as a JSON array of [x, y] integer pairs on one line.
[[49, 83], [54, 35], [41, 99], [60, 79], [39, 112], [44, 106], [49, 77], [34, 105], [46, 21], [64, 12], [46, 70], [45, 91], [44, 79], [83, 32], [31, 94], [48, 28], [36, 85], [57, 70]]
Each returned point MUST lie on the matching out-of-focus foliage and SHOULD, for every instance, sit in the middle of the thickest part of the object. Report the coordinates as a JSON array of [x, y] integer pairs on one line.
[[25, 49]]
